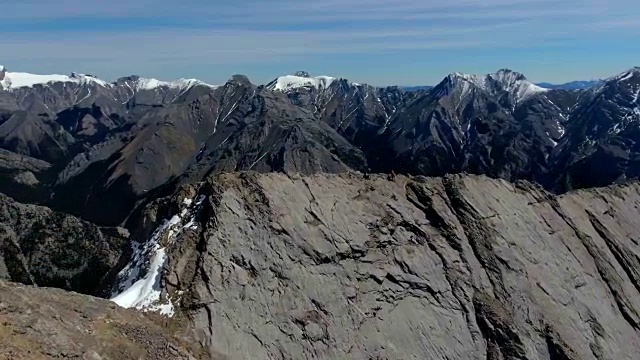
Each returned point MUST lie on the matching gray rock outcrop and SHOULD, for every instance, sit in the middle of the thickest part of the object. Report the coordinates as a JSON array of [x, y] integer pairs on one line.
[[462, 267]]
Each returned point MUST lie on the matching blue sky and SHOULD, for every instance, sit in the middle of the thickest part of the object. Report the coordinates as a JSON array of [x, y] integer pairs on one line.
[[407, 42]]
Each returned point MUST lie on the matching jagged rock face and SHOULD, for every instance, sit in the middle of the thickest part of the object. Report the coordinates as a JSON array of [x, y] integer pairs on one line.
[[463, 267], [44, 323], [238, 127], [462, 126], [24, 177], [499, 124], [357, 111], [133, 140], [57, 120], [79, 128], [602, 136], [46, 248]]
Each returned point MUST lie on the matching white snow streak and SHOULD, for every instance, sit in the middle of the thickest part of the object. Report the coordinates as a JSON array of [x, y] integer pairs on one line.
[[624, 75], [143, 292], [87, 96], [555, 143]]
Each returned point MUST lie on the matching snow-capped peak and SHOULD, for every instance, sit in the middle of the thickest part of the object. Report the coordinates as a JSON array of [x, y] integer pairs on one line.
[[289, 82], [15, 80], [478, 81], [630, 78], [508, 75], [516, 84], [151, 84], [512, 82], [633, 72]]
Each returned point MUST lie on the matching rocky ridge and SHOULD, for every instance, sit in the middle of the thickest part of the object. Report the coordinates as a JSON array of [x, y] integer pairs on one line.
[[132, 140], [462, 267]]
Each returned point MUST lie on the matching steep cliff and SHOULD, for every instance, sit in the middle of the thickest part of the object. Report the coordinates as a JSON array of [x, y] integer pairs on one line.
[[275, 266]]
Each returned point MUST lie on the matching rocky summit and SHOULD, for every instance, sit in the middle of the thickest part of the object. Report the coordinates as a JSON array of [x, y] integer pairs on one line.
[[276, 266]]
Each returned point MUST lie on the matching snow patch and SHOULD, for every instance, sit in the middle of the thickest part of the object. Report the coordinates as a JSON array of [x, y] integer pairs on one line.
[[290, 82], [16, 80], [624, 76], [182, 84], [504, 80], [145, 292], [555, 143], [478, 81], [138, 284]]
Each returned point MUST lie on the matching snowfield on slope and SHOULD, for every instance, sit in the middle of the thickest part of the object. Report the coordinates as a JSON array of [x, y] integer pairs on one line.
[[509, 81], [290, 82], [14, 80], [150, 84], [139, 284]]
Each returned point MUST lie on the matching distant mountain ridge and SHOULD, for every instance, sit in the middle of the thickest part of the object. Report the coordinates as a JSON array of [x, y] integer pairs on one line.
[[573, 85], [14, 80], [99, 149], [416, 88]]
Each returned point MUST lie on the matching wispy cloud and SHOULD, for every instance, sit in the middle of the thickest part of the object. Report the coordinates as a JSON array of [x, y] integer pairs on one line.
[[221, 46], [157, 35]]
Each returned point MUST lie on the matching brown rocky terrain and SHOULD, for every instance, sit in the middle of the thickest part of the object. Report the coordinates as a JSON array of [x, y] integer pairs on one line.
[[45, 323]]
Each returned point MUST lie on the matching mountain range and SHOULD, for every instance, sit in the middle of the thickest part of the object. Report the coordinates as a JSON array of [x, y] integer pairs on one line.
[[572, 85], [264, 221], [98, 149]]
